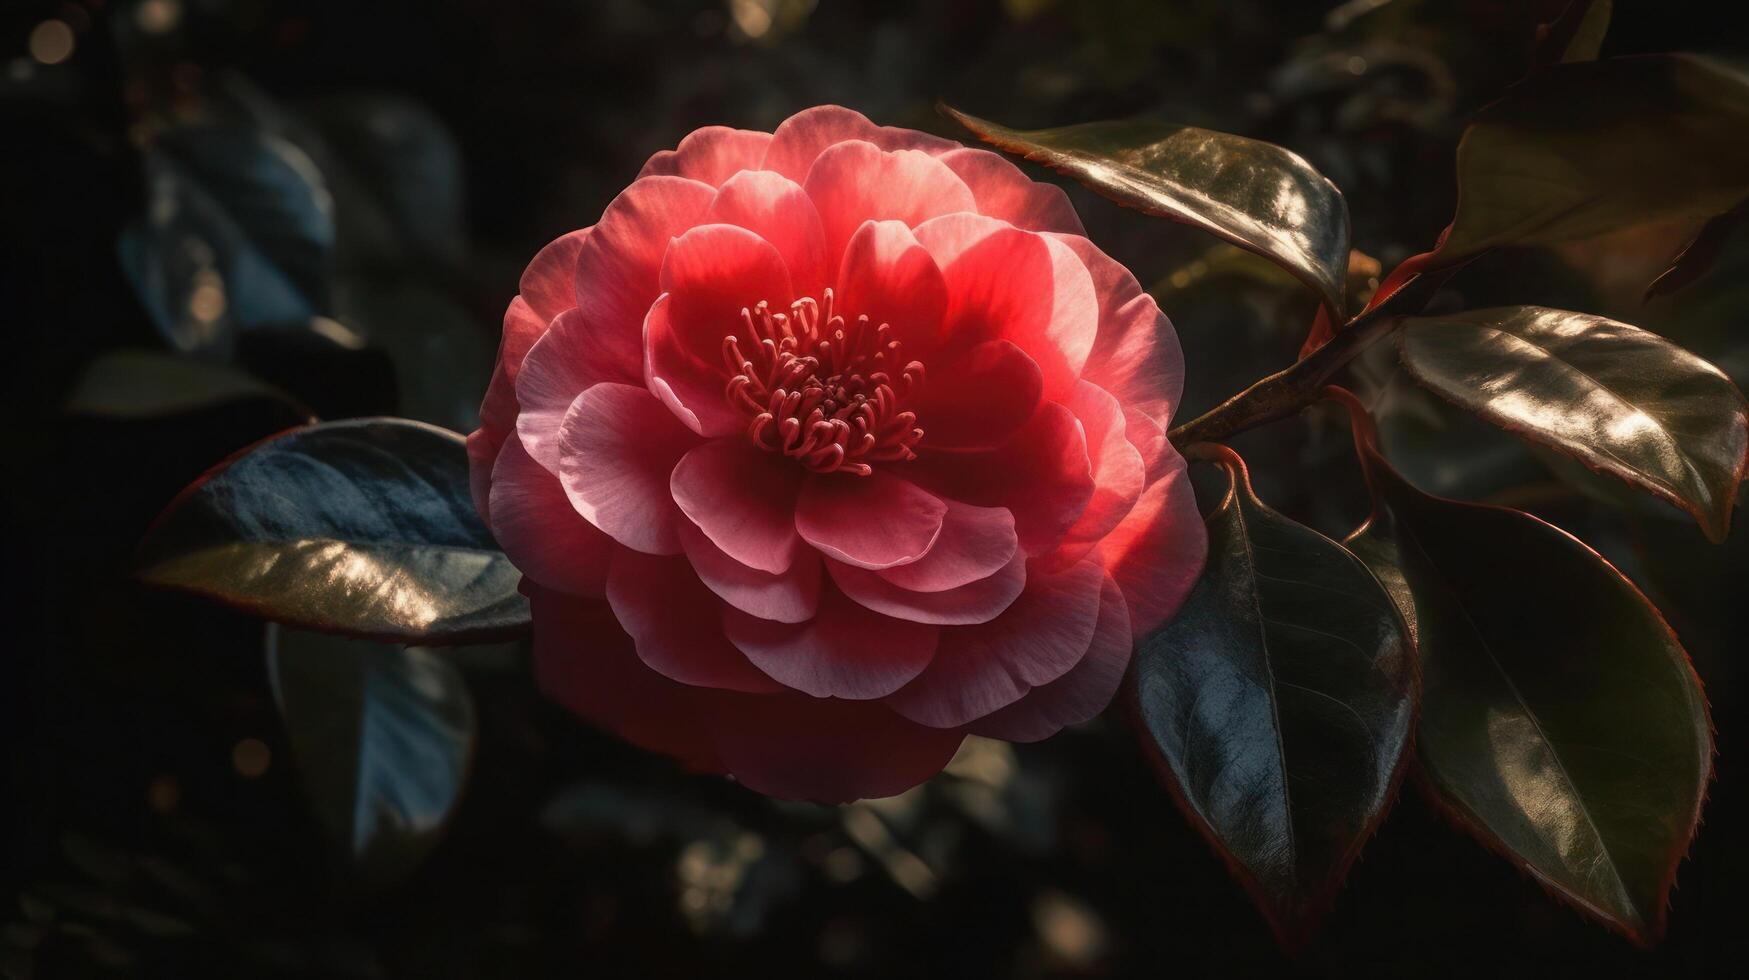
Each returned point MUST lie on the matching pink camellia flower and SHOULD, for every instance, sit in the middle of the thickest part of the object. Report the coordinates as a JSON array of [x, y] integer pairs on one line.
[[825, 447]]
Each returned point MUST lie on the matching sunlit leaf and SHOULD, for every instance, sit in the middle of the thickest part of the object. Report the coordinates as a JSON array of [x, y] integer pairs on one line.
[[1582, 148], [1701, 253], [363, 527], [1280, 701], [1618, 398], [1256, 195], [382, 736], [149, 384], [238, 231], [1560, 719]]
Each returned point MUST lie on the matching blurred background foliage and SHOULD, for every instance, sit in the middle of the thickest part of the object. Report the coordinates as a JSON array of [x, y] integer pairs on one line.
[[222, 217]]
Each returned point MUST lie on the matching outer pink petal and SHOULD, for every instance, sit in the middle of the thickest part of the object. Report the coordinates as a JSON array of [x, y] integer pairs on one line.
[[617, 269], [667, 611], [854, 181], [498, 409], [874, 521], [804, 136], [547, 282], [1157, 553], [888, 277], [617, 449], [586, 662], [482, 450], [1004, 192], [1118, 468], [979, 399], [1009, 284], [1136, 356], [561, 365], [544, 536], [975, 543], [845, 651], [792, 597], [712, 155], [980, 669], [743, 499], [965, 605], [777, 209], [827, 751], [1042, 476], [1080, 694]]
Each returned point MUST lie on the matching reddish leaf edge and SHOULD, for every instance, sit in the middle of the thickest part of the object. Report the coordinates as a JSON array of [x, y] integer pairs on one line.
[[1366, 446], [260, 610], [1295, 933]]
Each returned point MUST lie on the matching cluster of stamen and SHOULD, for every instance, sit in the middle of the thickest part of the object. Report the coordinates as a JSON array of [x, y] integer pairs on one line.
[[822, 390]]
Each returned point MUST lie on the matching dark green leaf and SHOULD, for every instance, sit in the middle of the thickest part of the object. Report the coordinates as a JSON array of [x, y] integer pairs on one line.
[[237, 232], [382, 736], [363, 527], [1560, 719], [148, 384], [1280, 701], [1588, 147], [1576, 35], [1616, 397], [1256, 195]]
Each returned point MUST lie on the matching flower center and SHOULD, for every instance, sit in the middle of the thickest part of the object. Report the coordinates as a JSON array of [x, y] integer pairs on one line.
[[820, 389]]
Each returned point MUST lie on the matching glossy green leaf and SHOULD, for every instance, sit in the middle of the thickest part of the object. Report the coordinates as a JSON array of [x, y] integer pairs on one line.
[[1584, 148], [1618, 398], [382, 736], [133, 384], [1257, 195], [1279, 701], [363, 527], [1560, 719]]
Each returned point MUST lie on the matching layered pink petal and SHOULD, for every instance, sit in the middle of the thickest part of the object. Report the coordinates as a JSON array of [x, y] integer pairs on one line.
[[801, 138], [711, 274], [890, 278], [792, 596], [534, 523], [1118, 468], [547, 283], [854, 181], [711, 155], [586, 662], [874, 521], [1156, 554], [1002, 191], [667, 612], [1078, 695], [498, 409], [619, 264], [850, 749], [975, 602], [978, 399], [845, 651], [561, 365], [975, 542], [977, 670], [777, 209], [482, 449], [1042, 475], [1136, 356], [1008, 284], [618, 446], [743, 499]]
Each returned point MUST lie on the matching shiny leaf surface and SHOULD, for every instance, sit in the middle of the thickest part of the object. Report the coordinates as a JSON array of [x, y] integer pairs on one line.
[[1618, 398], [1561, 722], [1279, 702], [382, 736], [1587, 147], [363, 527], [1256, 195]]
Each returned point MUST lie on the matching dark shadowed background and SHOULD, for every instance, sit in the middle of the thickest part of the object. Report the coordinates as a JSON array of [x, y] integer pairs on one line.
[[165, 817]]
